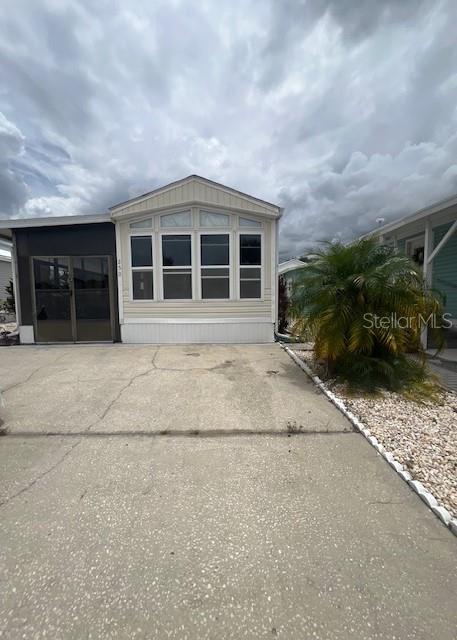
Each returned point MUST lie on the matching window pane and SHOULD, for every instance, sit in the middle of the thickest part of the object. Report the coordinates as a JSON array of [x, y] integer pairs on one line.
[[141, 251], [51, 273], [250, 289], [210, 219], [142, 224], [177, 285], [90, 273], [218, 273], [142, 285], [182, 219], [246, 222], [214, 249], [249, 274], [215, 288], [250, 249], [176, 251]]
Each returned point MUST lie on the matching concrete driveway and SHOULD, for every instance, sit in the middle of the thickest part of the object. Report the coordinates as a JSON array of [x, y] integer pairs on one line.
[[159, 493]]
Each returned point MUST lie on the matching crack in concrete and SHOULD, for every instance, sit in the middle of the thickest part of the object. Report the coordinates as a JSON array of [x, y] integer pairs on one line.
[[30, 376], [124, 388], [40, 476]]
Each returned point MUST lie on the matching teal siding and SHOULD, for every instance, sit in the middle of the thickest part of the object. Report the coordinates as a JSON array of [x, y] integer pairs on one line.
[[401, 245], [444, 273]]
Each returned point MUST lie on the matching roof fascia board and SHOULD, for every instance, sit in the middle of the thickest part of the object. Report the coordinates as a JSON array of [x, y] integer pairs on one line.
[[125, 215], [433, 209], [53, 221]]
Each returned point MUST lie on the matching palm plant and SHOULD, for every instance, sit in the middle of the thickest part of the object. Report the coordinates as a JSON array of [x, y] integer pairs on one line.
[[355, 301]]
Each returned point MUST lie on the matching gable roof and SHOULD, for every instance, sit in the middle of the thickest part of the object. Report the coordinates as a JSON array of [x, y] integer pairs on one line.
[[195, 189], [290, 265]]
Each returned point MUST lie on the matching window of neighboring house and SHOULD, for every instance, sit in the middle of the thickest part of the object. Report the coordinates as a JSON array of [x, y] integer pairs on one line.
[[177, 266], [250, 265], [142, 267], [215, 265]]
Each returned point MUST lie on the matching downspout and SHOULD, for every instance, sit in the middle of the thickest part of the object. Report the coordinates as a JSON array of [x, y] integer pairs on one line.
[[14, 270]]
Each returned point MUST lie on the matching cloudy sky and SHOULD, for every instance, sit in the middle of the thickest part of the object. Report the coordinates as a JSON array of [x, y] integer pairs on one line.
[[342, 111]]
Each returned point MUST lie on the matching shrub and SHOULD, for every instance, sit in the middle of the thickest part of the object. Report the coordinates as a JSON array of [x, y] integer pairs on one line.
[[339, 296]]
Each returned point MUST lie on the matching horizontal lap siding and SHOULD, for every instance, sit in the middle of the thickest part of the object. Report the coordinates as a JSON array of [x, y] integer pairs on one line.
[[444, 272], [198, 309]]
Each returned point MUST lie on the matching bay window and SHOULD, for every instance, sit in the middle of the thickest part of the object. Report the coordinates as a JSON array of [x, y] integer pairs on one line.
[[177, 266], [215, 265], [142, 267], [250, 265]]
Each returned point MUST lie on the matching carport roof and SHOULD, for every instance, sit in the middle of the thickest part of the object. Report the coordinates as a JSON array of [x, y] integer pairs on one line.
[[7, 225]]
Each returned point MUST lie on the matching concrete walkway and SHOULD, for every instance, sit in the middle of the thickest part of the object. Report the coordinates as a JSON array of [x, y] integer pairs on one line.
[[173, 501]]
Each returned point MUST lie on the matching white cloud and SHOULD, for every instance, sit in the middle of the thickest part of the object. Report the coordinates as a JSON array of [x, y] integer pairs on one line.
[[341, 112]]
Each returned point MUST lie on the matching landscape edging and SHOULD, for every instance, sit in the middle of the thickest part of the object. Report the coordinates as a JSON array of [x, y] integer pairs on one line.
[[440, 512]]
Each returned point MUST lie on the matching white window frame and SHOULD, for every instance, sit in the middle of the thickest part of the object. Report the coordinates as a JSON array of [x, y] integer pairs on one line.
[[215, 232], [142, 219], [258, 226], [170, 232], [220, 212], [173, 213], [247, 232], [144, 233]]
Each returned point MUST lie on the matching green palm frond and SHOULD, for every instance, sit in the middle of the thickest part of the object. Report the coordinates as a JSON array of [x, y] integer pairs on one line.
[[333, 295]]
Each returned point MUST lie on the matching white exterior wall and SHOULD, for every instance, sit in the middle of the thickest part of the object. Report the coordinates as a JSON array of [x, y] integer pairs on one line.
[[186, 321]]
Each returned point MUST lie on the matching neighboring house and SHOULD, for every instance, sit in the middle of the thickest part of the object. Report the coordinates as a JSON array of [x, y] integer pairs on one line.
[[5, 275], [429, 237], [5, 268], [193, 261], [289, 271]]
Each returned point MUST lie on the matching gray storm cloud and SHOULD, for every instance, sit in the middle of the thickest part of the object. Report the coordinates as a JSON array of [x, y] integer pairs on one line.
[[339, 111]]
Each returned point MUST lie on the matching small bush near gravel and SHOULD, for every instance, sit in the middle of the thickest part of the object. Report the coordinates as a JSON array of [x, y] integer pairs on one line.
[[335, 300]]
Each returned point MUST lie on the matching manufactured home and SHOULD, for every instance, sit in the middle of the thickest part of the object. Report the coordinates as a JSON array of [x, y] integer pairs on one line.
[[429, 237], [191, 262]]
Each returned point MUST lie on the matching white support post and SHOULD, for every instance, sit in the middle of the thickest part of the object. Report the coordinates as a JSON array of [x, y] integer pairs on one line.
[[427, 270], [14, 270], [120, 288], [452, 229]]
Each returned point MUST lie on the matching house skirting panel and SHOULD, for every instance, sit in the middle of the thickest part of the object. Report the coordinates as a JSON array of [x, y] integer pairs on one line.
[[192, 333], [26, 334]]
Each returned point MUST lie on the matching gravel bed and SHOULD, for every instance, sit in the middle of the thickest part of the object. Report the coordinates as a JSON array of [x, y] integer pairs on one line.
[[420, 435], [8, 327]]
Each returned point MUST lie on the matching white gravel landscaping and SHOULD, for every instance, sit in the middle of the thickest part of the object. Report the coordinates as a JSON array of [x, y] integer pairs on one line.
[[420, 435]]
